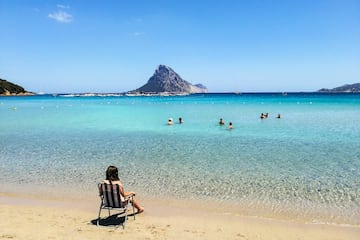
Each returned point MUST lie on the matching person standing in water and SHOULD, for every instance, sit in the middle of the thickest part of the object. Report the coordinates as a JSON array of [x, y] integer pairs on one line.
[[221, 122], [170, 121]]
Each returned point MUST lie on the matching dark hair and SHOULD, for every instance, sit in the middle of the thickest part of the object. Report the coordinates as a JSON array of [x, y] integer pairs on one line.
[[112, 173]]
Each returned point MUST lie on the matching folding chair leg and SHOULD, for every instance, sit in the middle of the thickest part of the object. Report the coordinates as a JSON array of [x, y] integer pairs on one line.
[[98, 219], [125, 219]]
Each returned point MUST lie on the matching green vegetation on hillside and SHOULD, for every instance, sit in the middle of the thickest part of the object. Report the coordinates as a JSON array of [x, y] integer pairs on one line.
[[10, 88]]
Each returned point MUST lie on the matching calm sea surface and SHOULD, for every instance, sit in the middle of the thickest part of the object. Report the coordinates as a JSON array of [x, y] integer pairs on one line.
[[305, 164]]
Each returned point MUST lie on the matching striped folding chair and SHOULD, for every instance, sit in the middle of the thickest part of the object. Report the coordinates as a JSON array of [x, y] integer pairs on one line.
[[112, 199]]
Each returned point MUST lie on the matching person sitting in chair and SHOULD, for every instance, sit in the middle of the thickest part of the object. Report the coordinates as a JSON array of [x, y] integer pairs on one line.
[[112, 177]]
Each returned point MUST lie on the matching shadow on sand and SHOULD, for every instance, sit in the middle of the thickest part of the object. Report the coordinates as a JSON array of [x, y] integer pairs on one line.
[[114, 220]]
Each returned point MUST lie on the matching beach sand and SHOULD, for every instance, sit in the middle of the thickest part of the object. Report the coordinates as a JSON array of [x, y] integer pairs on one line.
[[32, 217]]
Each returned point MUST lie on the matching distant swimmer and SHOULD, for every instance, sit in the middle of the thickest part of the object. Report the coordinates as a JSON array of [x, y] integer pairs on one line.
[[181, 120], [230, 125], [278, 116], [264, 115], [170, 121], [221, 122]]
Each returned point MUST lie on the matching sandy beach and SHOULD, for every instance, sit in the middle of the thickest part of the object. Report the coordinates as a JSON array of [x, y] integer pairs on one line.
[[32, 217]]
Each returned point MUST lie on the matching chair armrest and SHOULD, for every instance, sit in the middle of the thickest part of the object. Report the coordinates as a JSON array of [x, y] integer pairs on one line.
[[129, 196]]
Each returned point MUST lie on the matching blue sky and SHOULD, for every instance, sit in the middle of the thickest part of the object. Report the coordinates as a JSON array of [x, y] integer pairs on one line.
[[115, 46]]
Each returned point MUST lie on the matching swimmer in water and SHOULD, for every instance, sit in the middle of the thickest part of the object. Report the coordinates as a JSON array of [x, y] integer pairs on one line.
[[221, 122], [170, 121]]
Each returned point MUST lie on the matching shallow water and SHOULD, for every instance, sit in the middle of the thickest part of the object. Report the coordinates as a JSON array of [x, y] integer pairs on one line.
[[306, 164]]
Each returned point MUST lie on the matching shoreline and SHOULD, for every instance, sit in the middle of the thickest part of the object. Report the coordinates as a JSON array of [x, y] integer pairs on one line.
[[285, 212], [17, 94], [65, 218]]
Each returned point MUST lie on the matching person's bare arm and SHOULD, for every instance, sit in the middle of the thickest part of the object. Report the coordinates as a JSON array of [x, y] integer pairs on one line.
[[125, 194]]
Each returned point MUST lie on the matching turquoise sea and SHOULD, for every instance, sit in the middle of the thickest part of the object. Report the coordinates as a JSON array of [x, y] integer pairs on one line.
[[306, 164]]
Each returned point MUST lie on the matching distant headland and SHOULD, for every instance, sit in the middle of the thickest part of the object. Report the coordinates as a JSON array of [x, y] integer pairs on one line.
[[11, 89], [166, 81], [347, 88]]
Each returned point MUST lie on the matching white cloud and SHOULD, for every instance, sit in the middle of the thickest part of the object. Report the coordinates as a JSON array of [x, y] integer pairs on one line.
[[61, 16], [63, 6]]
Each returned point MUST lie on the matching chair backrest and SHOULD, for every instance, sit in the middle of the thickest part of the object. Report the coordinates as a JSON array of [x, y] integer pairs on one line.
[[112, 196]]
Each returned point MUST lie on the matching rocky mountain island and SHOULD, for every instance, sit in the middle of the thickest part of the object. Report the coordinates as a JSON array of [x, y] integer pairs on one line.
[[166, 80], [11, 89], [350, 88]]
